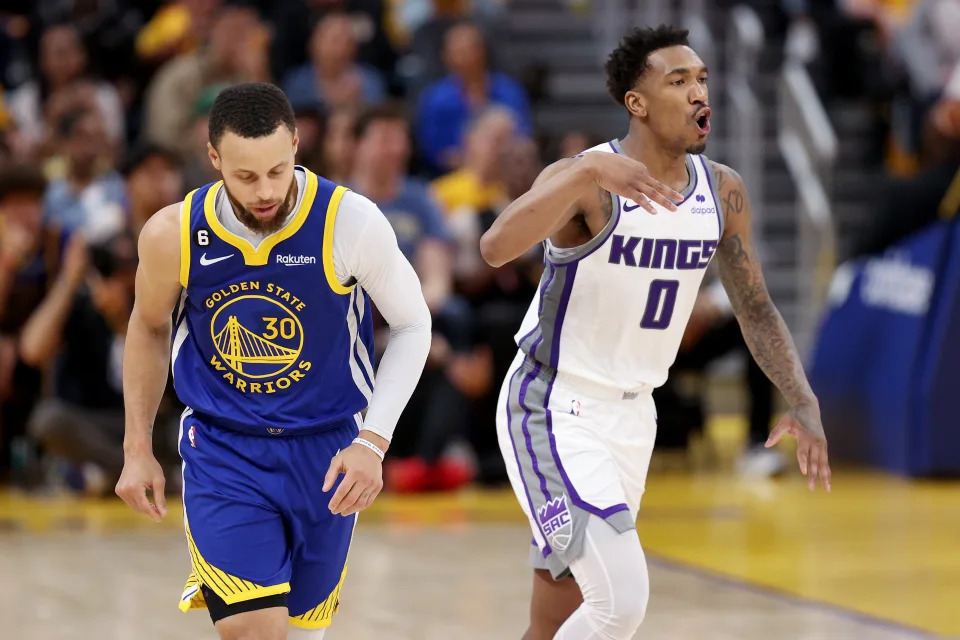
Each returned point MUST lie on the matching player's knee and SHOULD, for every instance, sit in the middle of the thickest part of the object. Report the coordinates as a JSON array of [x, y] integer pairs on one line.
[[618, 607]]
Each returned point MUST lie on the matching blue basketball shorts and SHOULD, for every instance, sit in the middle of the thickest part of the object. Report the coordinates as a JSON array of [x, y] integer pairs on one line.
[[257, 520]]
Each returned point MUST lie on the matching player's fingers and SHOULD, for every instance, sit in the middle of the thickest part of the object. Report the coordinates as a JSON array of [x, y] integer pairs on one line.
[[813, 467], [159, 498], [661, 194], [803, 454], [642, 201], [368, 496], [345, 486], [332, 473], [778, 432], [825, 472], [350, 503], [141, 504]]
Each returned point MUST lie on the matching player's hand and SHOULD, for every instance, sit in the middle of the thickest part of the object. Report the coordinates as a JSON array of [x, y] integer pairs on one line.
[[363, 476], [142, 472], [630, 179], [803, 423]]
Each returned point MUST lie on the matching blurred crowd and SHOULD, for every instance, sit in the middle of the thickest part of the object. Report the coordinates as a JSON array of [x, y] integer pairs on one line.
[[902, 59], [103, 121]]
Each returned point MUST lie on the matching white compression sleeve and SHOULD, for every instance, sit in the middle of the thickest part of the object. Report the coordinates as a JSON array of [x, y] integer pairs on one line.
[[365, 251], [612, 575], [296, 633]]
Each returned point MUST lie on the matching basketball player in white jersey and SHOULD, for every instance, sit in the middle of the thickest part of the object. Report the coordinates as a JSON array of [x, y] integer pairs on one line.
[[628, 229]]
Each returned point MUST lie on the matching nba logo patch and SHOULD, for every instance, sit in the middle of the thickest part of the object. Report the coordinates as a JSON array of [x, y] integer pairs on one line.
[[555, 522], [192, 434], [575, 407]]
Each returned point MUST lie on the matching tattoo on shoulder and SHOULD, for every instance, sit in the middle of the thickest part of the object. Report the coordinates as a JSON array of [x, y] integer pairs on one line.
[[731, 189]]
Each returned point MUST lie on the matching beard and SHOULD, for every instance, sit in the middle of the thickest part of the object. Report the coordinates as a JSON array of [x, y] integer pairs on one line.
[[268, 225], [697, 147]]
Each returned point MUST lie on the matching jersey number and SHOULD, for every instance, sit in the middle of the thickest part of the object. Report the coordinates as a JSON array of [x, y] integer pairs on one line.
[[287, 328], [661, 300]]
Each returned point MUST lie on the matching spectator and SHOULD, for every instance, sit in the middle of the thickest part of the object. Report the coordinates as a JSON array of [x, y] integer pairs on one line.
[[903, 206], [153, 179], [437, 412], [197, 168], [83, 421], [293, 22], [447, 105], [90, 196], [235, 53], [334, 78], [311, 125], [176, 28], [31, 290], [380, 173], [63, 62], [339, 146], [477, 186]]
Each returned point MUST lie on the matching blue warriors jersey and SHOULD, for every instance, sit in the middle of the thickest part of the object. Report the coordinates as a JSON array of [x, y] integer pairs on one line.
[[267, 340]]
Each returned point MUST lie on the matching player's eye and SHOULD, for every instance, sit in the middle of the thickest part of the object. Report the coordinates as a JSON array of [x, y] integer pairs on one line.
[[677, 83], [703, 80]]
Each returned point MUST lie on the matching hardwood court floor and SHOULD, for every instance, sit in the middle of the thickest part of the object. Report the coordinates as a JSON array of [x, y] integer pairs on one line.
[[730, 559]]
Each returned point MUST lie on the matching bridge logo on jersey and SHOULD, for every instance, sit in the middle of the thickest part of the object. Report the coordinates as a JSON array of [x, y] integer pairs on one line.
[[258, 337], [661, 253], [555, 522]]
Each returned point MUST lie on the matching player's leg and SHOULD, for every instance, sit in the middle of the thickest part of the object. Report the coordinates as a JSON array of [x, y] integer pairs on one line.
[[261, 618], [612, 575], [235, 534], [320, 540], [552, 602]]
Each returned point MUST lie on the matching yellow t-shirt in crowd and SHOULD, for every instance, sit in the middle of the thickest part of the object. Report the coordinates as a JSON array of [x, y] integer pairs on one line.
[[462, 188]]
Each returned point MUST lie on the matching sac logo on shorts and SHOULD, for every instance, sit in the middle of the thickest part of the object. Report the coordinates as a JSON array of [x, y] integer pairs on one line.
[[258, 336], [555, 522]]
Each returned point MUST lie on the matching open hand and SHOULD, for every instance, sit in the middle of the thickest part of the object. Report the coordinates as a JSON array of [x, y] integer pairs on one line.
[[803, 423], [630, 179], [363, 477]]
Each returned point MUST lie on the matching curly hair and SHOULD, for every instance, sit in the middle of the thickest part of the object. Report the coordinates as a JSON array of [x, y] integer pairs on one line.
[[250, 110], [628, 62]]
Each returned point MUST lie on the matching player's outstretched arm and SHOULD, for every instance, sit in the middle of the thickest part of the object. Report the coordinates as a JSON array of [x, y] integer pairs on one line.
[[563, 190], [765, 331], [365, 251], [146, 358]]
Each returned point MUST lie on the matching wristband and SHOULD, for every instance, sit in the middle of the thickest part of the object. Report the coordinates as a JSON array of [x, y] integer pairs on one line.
[[369, 445]]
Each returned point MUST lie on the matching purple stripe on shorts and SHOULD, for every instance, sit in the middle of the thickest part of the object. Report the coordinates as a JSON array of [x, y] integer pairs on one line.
[[530, 377], [561, 312], [574, 496], [516, 454]]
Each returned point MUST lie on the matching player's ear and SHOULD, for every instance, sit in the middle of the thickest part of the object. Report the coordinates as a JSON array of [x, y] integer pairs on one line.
[[214, 156], [636, 103], [296, 141]]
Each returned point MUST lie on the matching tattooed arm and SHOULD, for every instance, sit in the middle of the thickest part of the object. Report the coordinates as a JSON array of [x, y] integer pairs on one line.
[[765, 331]]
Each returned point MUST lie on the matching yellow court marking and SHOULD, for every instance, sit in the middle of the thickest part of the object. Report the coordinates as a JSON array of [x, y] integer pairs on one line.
[[878, 545]]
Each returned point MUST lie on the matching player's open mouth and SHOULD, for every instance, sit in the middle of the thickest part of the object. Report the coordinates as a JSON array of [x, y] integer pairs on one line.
[[264, 212], [703, 121]]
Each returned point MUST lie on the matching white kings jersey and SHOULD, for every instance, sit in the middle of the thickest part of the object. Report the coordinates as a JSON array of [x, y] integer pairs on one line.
[[612, 311]]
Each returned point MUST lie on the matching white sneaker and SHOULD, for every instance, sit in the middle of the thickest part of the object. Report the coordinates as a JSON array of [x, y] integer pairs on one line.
[[759, 461]]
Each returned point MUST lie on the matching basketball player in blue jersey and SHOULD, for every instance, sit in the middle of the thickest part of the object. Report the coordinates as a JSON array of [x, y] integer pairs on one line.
[[628, 229], [272, 271]]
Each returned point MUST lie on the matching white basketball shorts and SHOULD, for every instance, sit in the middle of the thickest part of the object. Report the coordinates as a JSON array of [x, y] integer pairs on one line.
[[572, 449]]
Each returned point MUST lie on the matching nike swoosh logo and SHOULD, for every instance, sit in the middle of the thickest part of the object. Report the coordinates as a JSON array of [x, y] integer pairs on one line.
[[205, 262], [627, 207]]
